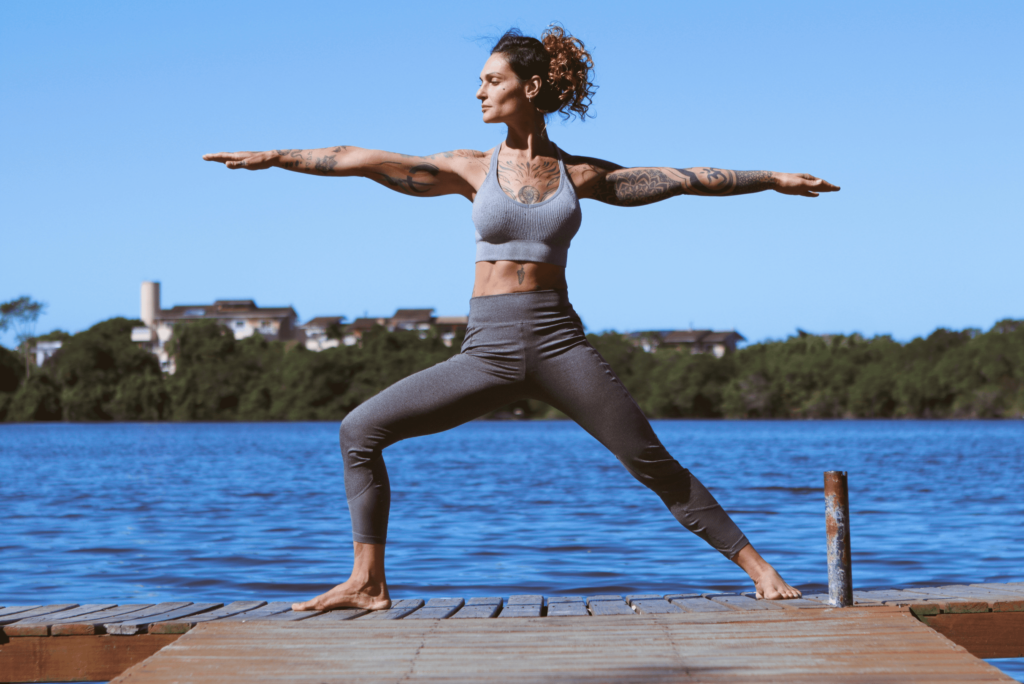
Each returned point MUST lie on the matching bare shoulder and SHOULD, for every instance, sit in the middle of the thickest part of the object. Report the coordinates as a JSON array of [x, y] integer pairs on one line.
[[585, 172], [471, 165]]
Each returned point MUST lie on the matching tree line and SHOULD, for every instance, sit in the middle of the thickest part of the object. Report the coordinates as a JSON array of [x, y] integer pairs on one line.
[[100, 375]]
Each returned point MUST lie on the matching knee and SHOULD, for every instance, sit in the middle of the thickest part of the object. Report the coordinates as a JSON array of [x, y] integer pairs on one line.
[[655, 468], [356, 436]]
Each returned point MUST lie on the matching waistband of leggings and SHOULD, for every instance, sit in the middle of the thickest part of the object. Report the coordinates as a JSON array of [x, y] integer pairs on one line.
[[503, 308]]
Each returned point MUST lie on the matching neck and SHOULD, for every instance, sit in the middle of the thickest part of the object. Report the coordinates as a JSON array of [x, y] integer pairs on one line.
[[530, 137]]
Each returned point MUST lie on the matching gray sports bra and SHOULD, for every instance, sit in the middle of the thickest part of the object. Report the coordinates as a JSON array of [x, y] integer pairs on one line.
[[507, 230]]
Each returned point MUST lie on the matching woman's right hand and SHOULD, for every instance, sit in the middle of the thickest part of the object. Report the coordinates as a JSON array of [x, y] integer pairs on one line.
[[253, 161]]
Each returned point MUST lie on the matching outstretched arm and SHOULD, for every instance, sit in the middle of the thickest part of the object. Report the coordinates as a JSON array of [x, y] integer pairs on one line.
[[438, 174], [612, 184]]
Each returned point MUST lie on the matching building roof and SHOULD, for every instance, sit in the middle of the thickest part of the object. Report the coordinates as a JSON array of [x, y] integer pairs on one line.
[[419, 315], [723, 336], [685, 336], [363, 324], [225, 308], [322, 322]]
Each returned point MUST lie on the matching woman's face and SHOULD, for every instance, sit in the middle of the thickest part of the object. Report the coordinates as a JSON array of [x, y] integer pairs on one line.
[[501, 94]]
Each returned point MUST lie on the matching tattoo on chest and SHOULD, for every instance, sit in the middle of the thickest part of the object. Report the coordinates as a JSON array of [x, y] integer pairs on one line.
[[529, 182]]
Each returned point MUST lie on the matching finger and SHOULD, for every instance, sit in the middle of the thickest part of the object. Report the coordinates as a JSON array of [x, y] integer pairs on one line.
[[226, 156]]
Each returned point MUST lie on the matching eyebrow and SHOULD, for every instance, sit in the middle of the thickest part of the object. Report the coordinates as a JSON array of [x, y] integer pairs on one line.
[[493, 73]]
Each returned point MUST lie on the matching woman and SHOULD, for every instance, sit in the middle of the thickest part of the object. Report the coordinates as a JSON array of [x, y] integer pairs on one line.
[[523, 339]]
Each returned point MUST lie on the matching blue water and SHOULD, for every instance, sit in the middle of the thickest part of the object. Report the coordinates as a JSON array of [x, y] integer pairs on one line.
[[153, 512]]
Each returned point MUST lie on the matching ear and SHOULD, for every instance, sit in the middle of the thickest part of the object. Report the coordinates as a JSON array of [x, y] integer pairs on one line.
[[532, 87]]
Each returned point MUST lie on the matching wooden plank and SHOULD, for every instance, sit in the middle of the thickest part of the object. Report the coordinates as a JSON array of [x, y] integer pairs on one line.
[[567, 608], [565, 599], [283, 616], [140, 625], [631, 597], [605, 597], [335, 615], [699, 605], [272, 608], [75, 658], [438, 609], [849, 645], [669, 597], [484, 601], [791, 604], [741, 602], [986, 635], [40, 625], [94, 624], [477, 611], [57, 627], [182, 626], [1015, 587], [600, 608], [654, 606], [11, 610], [525, 600], [398, 610], [521, 610], [36, 612]]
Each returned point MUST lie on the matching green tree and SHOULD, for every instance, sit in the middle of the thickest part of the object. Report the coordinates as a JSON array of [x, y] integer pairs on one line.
[[103, 376], [21, 314]]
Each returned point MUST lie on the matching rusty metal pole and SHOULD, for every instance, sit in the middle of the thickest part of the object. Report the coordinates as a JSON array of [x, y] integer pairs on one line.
[[837, 531]]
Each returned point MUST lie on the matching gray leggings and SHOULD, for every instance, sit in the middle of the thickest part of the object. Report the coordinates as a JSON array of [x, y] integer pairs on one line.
[[522, 345]]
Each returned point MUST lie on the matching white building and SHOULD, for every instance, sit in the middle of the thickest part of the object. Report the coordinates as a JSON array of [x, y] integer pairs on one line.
[[316, 332], [241, 316]]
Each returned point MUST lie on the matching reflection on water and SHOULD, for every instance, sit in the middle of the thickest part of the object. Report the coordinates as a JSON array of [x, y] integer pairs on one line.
[[152, 512]]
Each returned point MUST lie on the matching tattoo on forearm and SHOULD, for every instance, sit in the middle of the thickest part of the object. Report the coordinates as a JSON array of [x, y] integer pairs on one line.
[[407, 184], [636, 187], [521, 273], [325, 164]]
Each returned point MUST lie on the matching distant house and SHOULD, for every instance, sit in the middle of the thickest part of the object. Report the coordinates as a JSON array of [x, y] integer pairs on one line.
[[241, 316], [411, 319], [718, 343], [316, 331], [355, 330], [419, 320], [45, 350], [448, 327]]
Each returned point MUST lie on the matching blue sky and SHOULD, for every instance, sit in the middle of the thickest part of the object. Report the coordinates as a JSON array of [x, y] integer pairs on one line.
[[913, 108]]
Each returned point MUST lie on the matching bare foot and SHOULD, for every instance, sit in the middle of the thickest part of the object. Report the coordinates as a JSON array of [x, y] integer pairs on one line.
[[771, 586], [350, 594]]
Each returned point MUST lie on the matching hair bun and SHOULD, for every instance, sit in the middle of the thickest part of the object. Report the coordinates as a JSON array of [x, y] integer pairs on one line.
[[569, 73]]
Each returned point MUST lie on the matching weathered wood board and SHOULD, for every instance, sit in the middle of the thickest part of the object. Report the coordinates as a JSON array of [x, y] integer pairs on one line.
[[848, 645]]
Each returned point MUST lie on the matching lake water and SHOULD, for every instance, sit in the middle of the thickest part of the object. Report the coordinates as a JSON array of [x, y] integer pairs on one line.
[[223, 512]]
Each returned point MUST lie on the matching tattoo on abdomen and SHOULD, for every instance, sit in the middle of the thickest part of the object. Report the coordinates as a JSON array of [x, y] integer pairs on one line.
[[521, 273]]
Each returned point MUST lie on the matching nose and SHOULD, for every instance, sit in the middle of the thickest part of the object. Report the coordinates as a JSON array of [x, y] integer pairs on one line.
[[480, 94]]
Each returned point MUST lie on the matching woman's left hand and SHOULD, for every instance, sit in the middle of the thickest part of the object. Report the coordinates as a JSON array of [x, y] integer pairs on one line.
[[802, 184]]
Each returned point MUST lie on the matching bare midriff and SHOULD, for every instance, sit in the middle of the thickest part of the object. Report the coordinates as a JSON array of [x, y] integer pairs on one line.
[[504, 277]]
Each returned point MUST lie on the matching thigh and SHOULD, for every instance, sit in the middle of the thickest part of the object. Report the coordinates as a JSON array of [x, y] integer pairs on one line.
[[582, 385], [433, 400]]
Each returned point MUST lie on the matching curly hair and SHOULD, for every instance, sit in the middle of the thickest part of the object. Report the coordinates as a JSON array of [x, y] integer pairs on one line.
[[563, 64]]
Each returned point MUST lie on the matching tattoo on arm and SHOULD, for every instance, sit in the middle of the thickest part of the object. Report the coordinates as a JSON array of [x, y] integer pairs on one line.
[[325, 164], [408, 185], [636, 187]]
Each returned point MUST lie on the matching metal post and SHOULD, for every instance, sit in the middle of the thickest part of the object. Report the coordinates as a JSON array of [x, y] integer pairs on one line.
[[837, 531]]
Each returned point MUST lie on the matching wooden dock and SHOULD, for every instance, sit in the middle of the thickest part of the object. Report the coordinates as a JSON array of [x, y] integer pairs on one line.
[[934, 634]]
